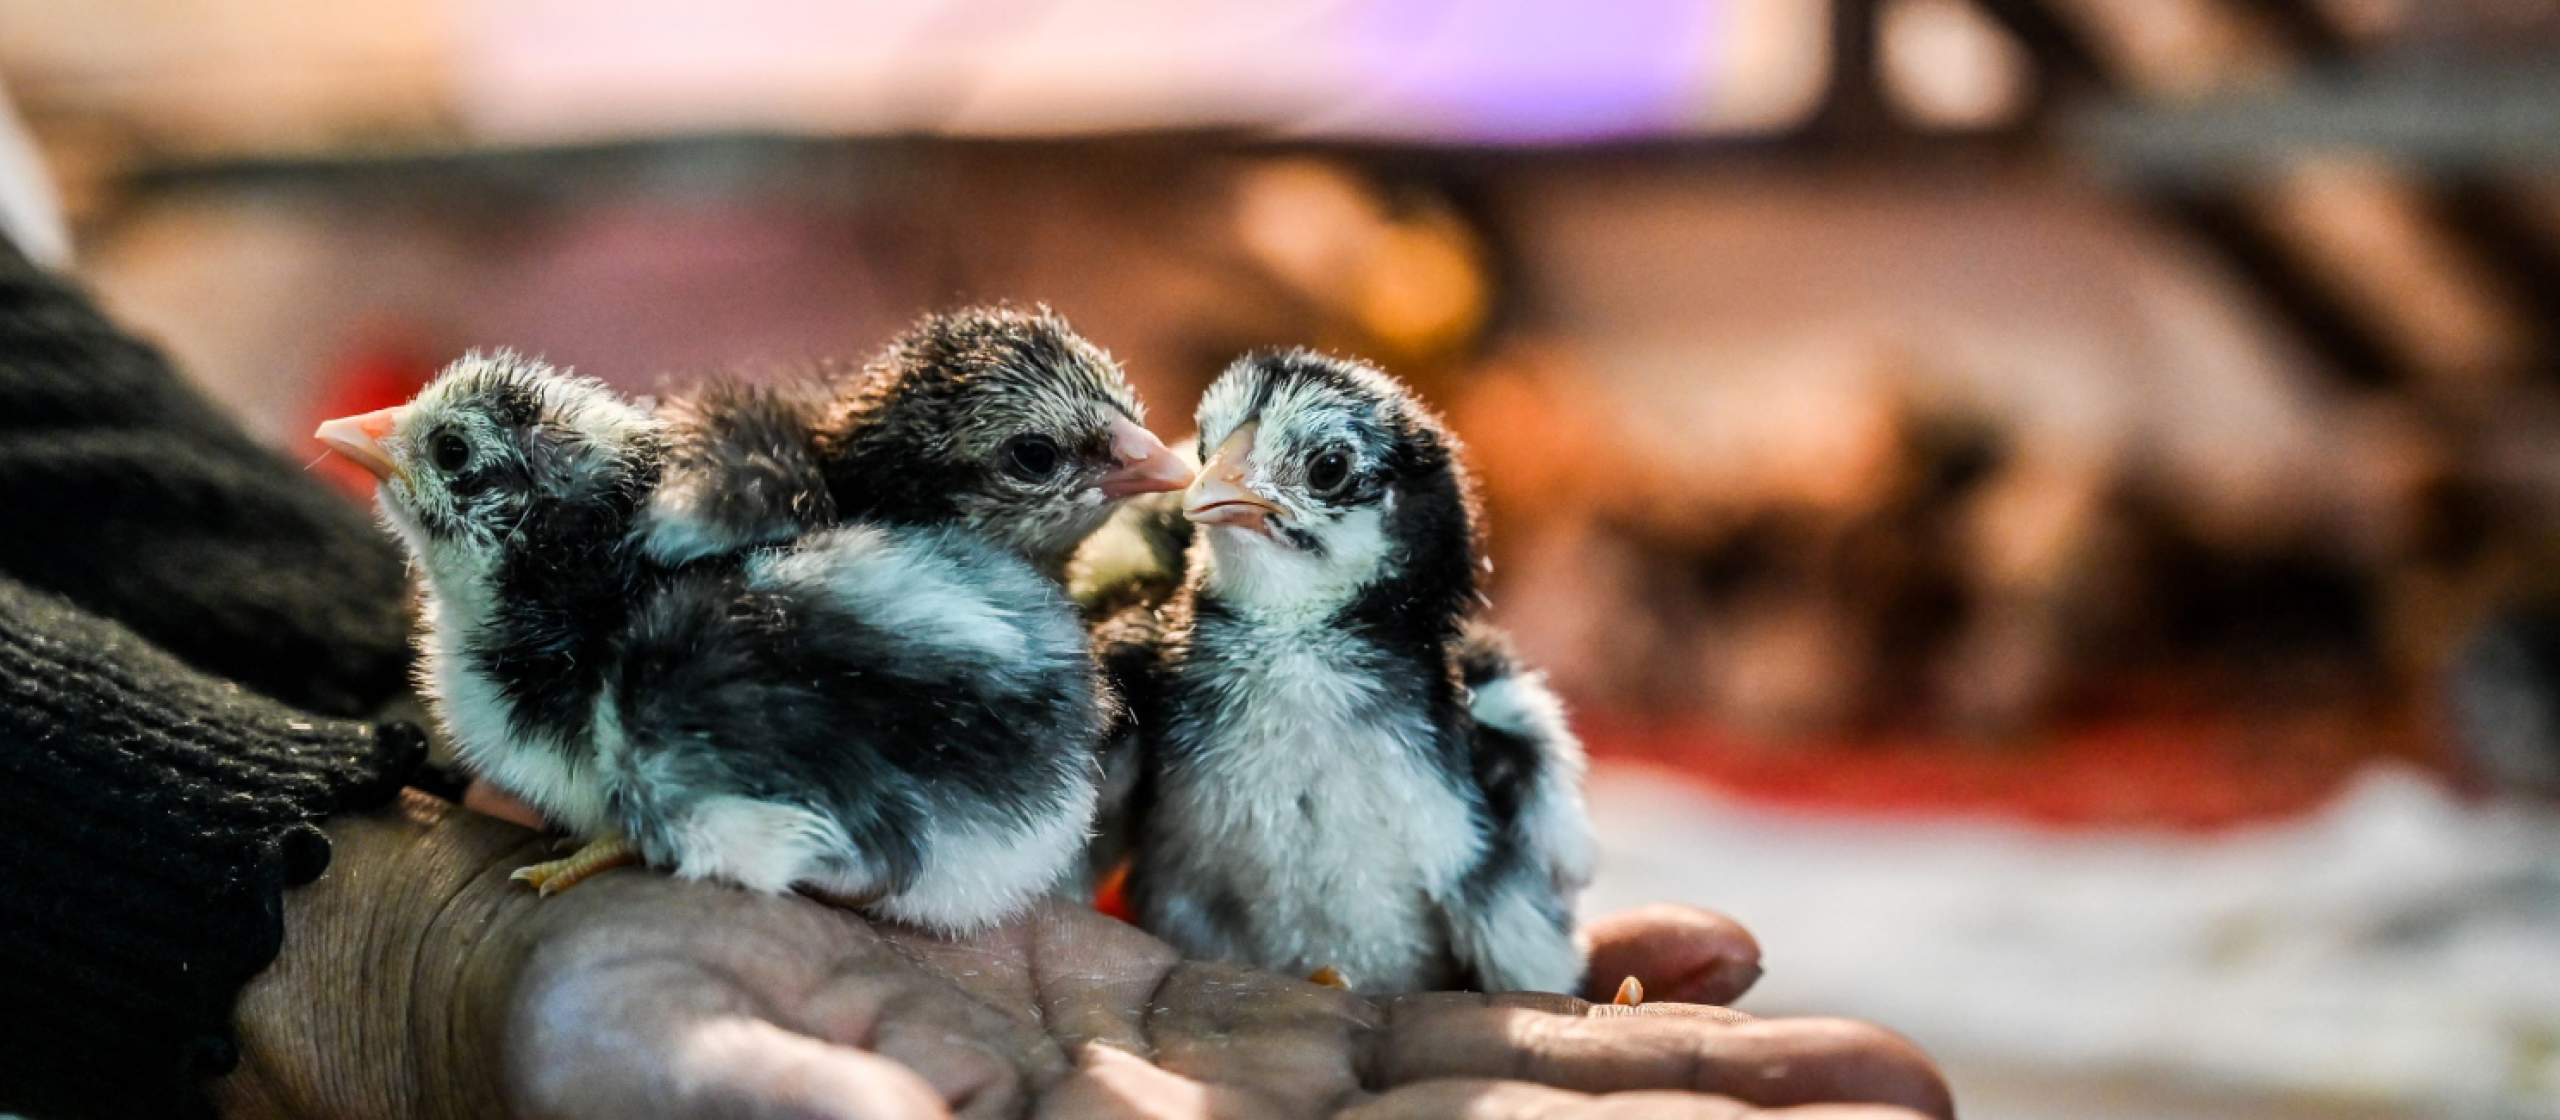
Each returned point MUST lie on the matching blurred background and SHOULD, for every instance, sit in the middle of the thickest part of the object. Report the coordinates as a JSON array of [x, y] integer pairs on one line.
[[2047, 510]]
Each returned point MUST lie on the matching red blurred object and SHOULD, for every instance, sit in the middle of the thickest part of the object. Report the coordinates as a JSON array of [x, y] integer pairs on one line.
[[2187, 770], [386, 364], [1112, 897]]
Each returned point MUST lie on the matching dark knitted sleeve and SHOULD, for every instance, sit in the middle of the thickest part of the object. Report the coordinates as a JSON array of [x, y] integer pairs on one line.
[[127, 492], [150, 819], [164, 582]]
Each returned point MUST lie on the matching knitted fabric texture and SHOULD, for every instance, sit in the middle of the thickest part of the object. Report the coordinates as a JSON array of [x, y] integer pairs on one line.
[[127, 492], [150, 819], [164, 582]]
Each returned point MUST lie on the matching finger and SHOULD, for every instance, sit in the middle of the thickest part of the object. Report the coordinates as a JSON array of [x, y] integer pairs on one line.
[[1111, 1084], [1680, 954], [1515, 1100], [481, 797], [1574, 1006], [746, 1067], [968, 1073], [1769, 1063]]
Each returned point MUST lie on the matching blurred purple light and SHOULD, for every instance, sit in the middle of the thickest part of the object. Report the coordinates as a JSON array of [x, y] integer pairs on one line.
[[1537, 70], [1523, 71]]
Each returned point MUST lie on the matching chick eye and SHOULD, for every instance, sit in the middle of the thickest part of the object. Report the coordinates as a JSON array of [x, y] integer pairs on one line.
[[1030, 458], [450, 451], [1329, 474]]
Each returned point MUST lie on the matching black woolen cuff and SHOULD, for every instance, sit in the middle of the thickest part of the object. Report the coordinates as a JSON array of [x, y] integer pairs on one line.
[[151, 819]]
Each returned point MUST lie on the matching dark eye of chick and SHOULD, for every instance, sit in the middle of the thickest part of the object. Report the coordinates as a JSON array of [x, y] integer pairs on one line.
[[450, 451], [1330, 474], [1030, 458]]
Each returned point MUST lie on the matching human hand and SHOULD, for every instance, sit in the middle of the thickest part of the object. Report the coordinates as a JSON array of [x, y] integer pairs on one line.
[[417, 982], [1679, 954]]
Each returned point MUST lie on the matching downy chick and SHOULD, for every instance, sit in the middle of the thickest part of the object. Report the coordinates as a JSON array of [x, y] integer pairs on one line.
[[1002, 422], [1322, 788], [892, 716]]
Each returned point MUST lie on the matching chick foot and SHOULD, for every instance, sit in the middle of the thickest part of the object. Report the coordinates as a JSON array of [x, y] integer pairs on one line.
[[1330, 977], [599, 856]]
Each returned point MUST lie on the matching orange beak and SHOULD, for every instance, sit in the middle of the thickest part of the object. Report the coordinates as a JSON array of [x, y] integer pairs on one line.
[[1220, 497], [1143, 464], [359, 438]]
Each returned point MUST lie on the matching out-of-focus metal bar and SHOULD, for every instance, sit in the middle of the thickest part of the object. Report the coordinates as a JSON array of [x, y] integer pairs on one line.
[[2430, 121]]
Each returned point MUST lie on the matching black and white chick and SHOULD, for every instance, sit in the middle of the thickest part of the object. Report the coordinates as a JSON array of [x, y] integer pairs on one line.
[[1342, 768], [899, 717], [1005, 423]]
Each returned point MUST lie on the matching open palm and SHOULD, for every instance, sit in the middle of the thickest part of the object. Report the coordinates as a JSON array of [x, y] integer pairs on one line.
[[636, 995]]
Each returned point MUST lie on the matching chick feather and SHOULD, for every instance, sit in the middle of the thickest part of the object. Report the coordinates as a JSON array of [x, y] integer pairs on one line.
[[896, 715], [1339, 765]]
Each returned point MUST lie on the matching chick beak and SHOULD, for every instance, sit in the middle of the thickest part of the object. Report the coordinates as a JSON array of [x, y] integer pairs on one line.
[[359, 438], [1220, 497], [1141, 463]]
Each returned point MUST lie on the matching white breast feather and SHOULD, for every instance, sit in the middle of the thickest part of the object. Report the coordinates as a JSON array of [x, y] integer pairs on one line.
[[1350, 879], [474, 713], [760, 845], [977, 874], [1284, 587]]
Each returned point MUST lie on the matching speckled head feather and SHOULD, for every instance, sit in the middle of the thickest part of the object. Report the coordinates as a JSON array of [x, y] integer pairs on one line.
[[992, 419], [498, 438], [1394, 514]]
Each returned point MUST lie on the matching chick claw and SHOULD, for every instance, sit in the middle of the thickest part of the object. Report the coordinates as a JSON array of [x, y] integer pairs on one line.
[[551, 877], [1330, 977]]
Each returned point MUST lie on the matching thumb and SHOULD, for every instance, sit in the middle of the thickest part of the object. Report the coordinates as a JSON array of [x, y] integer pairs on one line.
[[1680, 954]]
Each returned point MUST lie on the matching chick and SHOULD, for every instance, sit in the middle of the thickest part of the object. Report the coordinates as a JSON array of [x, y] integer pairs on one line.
[[899, 717], [1006, 422], [1343, 771], [1002, 422]]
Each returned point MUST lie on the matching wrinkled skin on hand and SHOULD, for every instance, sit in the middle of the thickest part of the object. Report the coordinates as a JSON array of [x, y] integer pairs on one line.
[[417, 982]]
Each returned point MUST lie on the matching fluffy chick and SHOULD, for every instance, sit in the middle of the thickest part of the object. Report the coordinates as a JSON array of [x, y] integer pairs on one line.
[[1005, 423], [1340, 767], [894, 716]]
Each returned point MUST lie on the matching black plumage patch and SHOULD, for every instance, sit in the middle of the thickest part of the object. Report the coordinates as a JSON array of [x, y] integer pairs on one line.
[[803, 700], [742, 469], [1508, 768], [707, 662], [567, 576], [917, 436]]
